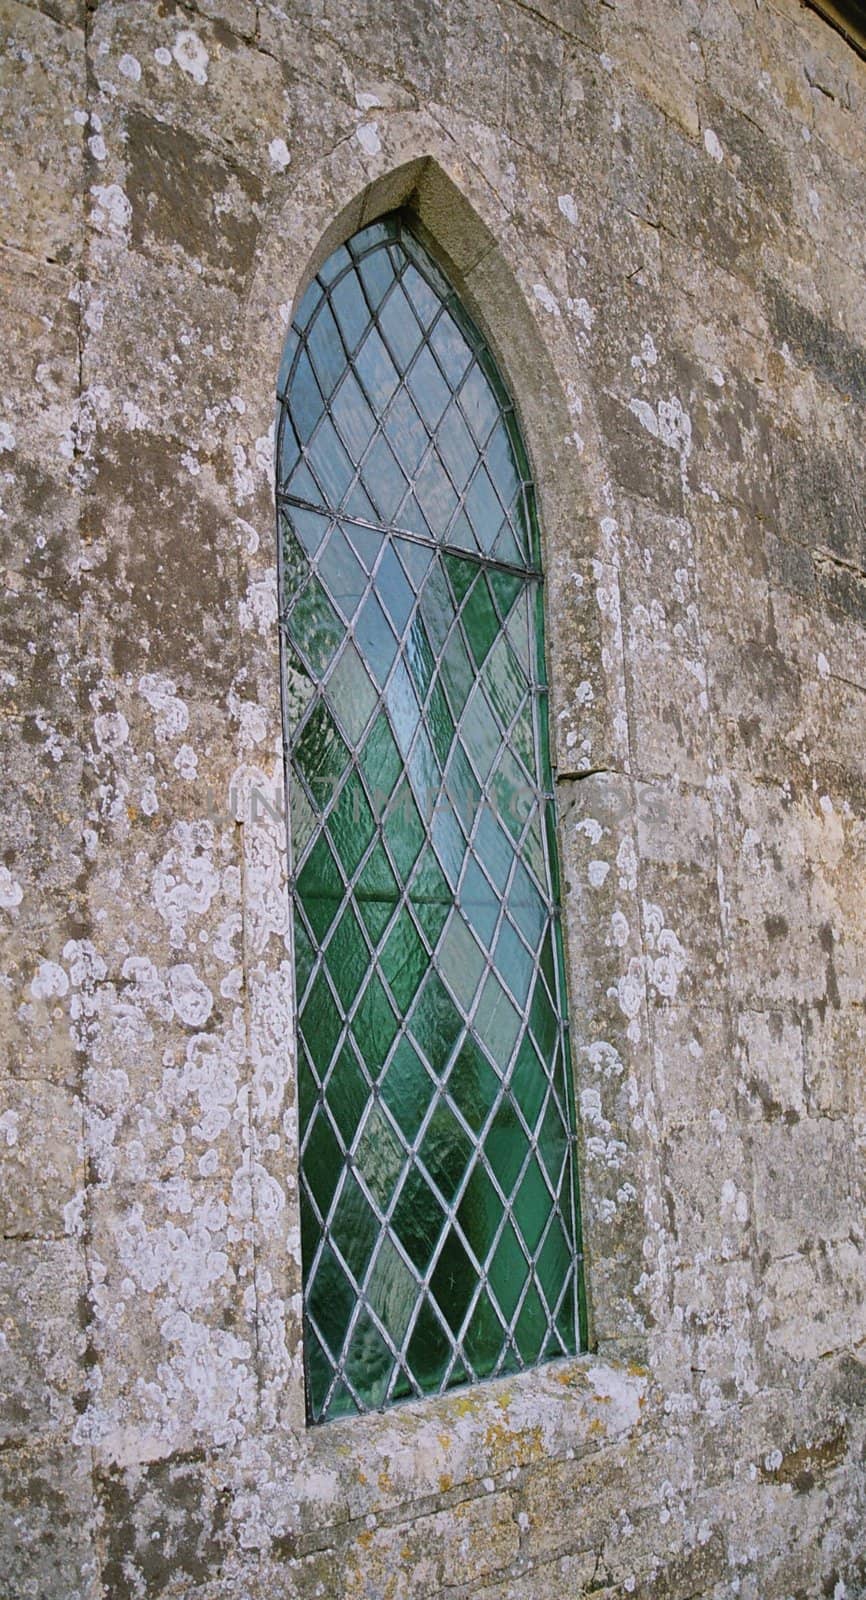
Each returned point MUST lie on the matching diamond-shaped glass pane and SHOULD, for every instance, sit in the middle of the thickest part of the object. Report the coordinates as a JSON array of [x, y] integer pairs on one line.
[[438, 1217]]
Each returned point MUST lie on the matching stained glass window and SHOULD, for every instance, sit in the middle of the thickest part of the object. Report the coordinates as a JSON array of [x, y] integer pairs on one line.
[[438, 1187]]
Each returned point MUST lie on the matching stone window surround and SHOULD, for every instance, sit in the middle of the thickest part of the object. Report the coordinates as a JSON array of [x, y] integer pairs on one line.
[[473, 1435]]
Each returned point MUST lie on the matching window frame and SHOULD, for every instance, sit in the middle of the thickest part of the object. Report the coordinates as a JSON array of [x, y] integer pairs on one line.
[[425, 258]]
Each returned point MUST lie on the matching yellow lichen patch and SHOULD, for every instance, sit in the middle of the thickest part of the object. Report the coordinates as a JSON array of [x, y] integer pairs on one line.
[[365, 1539], [446, 1482], [385, 1480], [505, 1446]]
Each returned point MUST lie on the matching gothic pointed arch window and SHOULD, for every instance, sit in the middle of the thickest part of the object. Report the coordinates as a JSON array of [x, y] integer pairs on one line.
[[438, 1185]]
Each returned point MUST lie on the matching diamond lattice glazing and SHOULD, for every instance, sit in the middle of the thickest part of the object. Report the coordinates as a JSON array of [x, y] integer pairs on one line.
[[438, 1190]]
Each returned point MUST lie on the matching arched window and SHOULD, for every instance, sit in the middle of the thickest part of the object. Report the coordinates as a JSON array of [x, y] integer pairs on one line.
[[438, 1190]]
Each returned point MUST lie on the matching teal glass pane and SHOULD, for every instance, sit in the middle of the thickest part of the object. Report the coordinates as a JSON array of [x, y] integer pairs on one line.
[[437, 1186]]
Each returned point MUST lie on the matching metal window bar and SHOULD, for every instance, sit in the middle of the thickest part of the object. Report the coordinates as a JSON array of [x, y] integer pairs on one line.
[[301, 568]]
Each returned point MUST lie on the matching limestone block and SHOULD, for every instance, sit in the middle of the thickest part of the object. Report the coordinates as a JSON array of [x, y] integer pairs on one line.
[[195, 74], [678, 878], [773, 1063], [173, 1307], [49, 1545], [42, 1290], [803, 1185], [42, 96], [42, 1160]]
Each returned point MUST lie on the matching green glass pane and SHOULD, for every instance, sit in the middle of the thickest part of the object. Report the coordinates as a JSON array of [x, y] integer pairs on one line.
[[392, 1290], [532, 1206], [483, 509], [406, 433], [325, 349], [508, 1272], [452, 351], [458, 672], [445, 1151], [374, 1025], [375, 639], [308, 1089], [377, 275], [304, 956], [530, 1329], [315, 628], [407, 1089], [497, 1020], [461, 574], [425, 300], [453, 1281], [479, 903], [368, 1361], [501, 465], [342, 574], [319, 1373], [348, 1092], [302, 534], [480, 622], [429, 1350], [351, 693], [515, 964], [348, 957], [504, 681], [403, 708], [320, 887], [512, 798], [473, 1085], [306, 398], [330, 1301], [449, 841], [463, 789], [354, 420], [329, 463], [379, 1157], [435, 494], [380, 763], [376, 891], [484, 1336], [506, 587], [435, 1022], [417, 1220], [404, 960], [320, 1024], [404, 830], [479, 1212], [376, 371], [526, 907], [354, 1227], [457, 448], [528, 1082], [479, 404], [347, 299], [460, 961], [323, 1161], [480, 733], [440, 724], [494, 849], [436, 603], [399, 327], [320, 755], [505, 1146], [553, 1141], [351, 823], [543, 1020], [382, 478], [554, 1263]]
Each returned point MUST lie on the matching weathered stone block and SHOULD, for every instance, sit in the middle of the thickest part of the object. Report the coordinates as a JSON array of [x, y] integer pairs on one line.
[[42, 1172]]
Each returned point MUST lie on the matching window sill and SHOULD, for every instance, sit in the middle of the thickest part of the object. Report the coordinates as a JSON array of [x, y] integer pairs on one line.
[[459, 1445]]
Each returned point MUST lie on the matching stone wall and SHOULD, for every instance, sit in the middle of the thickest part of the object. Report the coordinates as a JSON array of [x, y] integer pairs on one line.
[[657, 211]]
